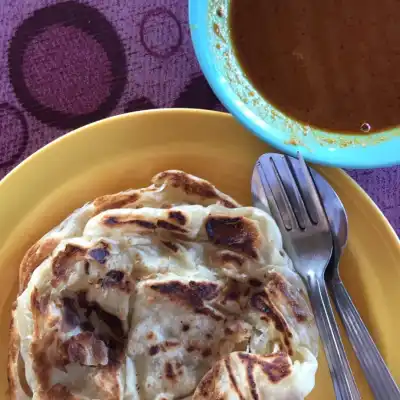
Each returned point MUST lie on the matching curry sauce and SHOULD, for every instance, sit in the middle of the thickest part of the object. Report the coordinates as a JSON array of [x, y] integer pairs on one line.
[[331, 64]]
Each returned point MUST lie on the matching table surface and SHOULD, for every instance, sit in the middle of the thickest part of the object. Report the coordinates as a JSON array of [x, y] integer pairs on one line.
[[65, 64]]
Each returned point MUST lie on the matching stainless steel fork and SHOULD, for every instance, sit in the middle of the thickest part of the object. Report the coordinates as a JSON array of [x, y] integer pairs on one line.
[[285, 187]]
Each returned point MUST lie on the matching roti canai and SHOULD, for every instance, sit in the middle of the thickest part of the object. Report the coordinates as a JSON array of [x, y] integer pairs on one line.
[[174, 291]]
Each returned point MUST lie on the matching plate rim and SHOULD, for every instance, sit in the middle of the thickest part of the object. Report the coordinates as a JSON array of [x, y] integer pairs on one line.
[[26, 163]]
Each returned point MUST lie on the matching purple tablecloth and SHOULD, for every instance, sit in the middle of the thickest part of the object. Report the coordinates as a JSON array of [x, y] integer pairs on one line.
[[64, 64]]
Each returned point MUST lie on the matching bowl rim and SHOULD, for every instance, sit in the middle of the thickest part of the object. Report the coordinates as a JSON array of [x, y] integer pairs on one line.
[[381, 154]]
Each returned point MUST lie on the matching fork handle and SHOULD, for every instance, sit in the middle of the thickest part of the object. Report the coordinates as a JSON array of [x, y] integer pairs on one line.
[[342, 376], [378, 376]]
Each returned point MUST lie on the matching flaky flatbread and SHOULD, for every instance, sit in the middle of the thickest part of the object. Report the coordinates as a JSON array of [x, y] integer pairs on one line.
[[146, 293], [243, 375]]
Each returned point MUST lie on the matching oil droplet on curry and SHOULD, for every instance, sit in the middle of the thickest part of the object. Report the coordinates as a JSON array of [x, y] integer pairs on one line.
[[331, 64]]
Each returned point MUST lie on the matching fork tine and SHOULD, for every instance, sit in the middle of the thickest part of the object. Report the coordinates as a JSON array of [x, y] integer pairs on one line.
[[263, 196], [261, 191], [310, 193], [289, 181], [271, 176], [297, 170]]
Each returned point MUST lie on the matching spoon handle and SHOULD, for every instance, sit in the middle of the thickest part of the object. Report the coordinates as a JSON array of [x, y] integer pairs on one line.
[[342, 376], [379, 378]]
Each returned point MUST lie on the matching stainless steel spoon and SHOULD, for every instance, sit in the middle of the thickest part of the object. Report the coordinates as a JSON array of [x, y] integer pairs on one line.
[[378, 376]]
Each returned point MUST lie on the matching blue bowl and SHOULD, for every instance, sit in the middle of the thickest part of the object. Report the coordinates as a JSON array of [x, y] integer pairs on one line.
[[211, 39]]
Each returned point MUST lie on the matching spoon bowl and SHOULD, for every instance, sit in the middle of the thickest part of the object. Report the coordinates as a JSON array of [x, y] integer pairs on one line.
[[338, 221]]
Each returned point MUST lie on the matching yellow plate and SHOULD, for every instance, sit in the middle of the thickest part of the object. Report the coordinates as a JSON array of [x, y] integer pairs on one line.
[[126, 151]]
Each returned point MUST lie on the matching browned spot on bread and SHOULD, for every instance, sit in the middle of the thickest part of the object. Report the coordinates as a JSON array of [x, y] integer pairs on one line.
[[42, 361], [114, 220], [238, 234], [191, 349], [113, 277], [87, 267], [39, 303], [206, 353], [177, 216], [192, 294], [251, 380], [185, 327], [194, 186], [261, 302], [118, 280], [86, 349], [170, 227], [99, 253], [110, 221], [61, 262], [58, 391], [228, 331], [150, 335], [164, 347], [171, 246], [232, 378], [169, 344], [169, 371], [206, 386], [144, 224], [277, 283], [119, 200], [234, 295], [275, 366], [33, 258], [78, 311], [153, 350]]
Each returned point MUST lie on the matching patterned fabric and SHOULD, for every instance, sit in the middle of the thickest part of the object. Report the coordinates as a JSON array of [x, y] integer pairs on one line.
[[67, 63]]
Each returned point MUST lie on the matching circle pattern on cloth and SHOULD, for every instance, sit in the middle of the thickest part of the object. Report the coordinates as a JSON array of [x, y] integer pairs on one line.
[[67, 65], [13, 134], [160, 32]]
